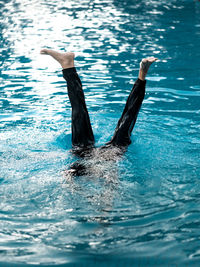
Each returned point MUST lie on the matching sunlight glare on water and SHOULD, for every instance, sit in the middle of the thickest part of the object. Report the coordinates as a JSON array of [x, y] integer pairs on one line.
[[141, 211]]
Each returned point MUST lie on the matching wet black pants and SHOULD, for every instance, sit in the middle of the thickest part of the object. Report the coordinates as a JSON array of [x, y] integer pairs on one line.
[[82, 134]]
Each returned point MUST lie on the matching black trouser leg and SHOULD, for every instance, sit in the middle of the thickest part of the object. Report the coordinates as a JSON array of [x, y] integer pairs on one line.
[[127, 121], [82, 134]]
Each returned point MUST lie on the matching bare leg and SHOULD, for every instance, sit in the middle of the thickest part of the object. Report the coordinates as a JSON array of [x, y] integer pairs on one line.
[[82, 135], [128, 119]]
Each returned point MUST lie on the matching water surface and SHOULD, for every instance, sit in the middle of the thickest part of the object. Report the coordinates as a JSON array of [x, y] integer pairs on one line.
[[144, 210]]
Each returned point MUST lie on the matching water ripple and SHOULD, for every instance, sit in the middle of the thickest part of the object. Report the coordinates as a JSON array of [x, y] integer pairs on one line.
[[146, 207]]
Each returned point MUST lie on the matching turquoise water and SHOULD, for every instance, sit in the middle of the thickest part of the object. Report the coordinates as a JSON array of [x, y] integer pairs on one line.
[[142, 211]]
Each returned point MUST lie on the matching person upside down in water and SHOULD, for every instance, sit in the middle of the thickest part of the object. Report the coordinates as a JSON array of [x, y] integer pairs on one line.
[[82, 134]]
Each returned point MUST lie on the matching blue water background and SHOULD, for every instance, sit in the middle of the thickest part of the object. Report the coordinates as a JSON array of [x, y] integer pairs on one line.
[[148, 213]]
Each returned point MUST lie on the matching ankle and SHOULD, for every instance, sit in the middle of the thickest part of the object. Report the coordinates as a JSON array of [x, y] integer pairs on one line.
[[67, 65], [142, 75], [67, 60]]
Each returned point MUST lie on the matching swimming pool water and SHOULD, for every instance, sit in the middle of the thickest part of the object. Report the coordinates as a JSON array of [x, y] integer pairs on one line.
[[144, 211]]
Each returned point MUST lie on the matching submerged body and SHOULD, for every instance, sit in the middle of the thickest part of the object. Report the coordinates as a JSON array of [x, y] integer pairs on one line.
[[96, 161]]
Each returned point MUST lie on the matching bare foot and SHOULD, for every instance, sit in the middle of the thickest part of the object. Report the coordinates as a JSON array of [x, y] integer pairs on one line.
[[66, 60], [144, 66]]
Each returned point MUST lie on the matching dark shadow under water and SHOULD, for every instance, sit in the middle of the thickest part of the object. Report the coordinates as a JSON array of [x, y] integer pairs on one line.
[[97, 166]]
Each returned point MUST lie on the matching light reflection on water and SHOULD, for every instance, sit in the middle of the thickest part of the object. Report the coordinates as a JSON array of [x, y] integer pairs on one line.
[[145, 208]]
